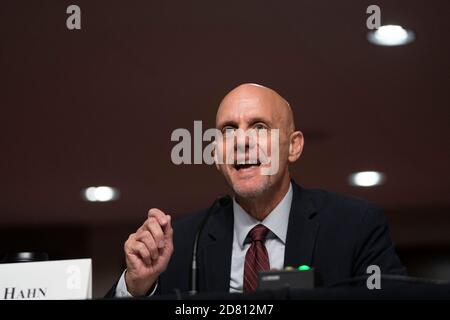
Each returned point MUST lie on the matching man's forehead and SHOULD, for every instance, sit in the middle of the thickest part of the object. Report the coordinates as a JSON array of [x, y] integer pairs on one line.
[[245, 105], [244, 109], [240, 103], [248, 102]]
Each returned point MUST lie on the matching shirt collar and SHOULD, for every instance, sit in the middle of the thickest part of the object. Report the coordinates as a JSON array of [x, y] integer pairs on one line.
[[276, 221]]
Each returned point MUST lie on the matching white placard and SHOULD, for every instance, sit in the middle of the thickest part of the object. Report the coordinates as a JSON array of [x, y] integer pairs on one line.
[[44, 280]]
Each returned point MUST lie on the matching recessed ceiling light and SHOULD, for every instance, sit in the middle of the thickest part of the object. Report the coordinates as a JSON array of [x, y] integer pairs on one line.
[[100, 194], [390, 35], [366, 178]]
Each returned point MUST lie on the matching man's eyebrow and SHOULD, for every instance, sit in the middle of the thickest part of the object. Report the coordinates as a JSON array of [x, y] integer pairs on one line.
[[259, 119], [252, 121], [228, 123]]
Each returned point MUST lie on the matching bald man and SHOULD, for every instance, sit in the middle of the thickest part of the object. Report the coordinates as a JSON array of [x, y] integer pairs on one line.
[[270, 223]]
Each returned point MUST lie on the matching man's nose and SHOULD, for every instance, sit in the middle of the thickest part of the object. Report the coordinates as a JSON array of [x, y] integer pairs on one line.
[[242, 143], [245, 141]]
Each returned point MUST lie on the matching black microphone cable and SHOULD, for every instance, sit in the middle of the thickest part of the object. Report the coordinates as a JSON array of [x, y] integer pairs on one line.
[[217, 204]]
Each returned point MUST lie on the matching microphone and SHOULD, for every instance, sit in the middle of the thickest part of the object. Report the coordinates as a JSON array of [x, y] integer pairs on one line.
[[217, 204]]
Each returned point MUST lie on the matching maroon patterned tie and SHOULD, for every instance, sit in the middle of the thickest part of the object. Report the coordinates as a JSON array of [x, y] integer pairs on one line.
[[256, 258]]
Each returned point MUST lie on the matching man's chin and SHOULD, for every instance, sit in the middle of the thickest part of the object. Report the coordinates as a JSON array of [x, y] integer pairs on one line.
[[250, 192]]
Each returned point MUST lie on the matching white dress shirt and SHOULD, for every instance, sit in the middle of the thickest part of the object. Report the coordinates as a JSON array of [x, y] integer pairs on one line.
[[121, 288], [276, 222]]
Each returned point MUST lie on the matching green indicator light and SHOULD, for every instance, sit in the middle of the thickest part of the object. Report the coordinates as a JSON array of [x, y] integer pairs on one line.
[[304, 268]]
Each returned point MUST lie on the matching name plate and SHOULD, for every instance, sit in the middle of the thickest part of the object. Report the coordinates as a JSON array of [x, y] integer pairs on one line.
[[46, 280]]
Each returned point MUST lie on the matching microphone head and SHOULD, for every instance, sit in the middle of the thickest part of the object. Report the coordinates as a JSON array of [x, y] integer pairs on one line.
[[224, 200]]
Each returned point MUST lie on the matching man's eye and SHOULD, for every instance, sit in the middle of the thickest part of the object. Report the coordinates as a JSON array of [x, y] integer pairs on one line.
[[260, 126], [228, 130]]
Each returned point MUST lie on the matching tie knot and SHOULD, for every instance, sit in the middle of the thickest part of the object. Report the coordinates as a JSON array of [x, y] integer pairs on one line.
[[258, 233]]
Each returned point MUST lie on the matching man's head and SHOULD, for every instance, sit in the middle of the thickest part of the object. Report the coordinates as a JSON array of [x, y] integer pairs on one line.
[[252, 106]]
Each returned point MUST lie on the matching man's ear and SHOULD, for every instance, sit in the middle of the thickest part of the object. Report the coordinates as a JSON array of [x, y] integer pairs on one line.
[[296, 143]]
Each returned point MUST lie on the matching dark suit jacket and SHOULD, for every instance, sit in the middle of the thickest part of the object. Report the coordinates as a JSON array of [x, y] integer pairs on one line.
[[339, 236]]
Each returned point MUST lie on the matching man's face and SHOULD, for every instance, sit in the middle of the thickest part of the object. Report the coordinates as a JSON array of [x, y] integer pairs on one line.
[[259, 113]]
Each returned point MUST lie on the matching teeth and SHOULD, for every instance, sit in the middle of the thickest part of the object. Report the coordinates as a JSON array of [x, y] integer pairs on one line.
[[247, 165]]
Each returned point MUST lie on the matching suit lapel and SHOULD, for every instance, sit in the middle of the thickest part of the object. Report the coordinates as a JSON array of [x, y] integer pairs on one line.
[[302, 230], [216, 250], [216, 242]]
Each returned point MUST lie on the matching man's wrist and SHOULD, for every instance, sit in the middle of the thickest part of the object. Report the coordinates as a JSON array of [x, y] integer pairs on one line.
[[139, 287]]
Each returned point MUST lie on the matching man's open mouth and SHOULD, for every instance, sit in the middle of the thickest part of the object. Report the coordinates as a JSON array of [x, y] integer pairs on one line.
[[246, 165]]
